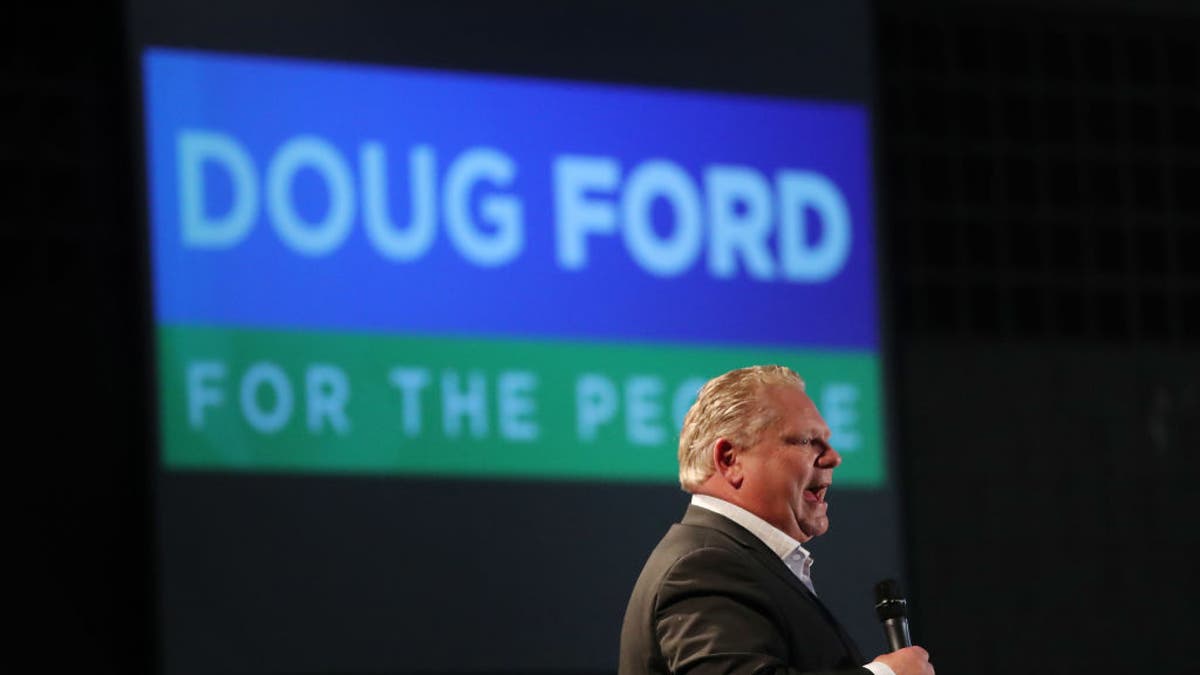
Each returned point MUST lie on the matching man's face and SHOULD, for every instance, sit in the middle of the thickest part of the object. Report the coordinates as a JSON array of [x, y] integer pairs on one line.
[[788, 471]]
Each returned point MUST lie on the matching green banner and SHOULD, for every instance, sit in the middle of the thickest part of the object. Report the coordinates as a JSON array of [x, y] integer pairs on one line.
[[322, 402]]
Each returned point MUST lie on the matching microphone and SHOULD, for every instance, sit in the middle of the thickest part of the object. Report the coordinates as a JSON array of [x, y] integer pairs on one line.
[[892, 610]]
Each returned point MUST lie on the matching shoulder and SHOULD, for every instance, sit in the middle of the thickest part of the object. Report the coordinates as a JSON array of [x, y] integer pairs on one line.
[[715, 570], [693, 560], [698, 582]]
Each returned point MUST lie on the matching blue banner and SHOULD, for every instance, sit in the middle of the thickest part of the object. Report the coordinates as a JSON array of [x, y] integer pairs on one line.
[[289, 193]]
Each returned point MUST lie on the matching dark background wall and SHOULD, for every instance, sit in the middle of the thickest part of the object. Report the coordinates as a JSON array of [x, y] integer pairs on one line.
[[1042, 169], [1040, 173], [71, 265]]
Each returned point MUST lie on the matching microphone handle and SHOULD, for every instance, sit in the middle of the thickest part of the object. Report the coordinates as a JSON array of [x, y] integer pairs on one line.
[[896, 632]]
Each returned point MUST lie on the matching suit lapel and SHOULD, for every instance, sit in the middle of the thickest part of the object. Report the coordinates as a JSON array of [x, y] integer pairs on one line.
[[702, 517]]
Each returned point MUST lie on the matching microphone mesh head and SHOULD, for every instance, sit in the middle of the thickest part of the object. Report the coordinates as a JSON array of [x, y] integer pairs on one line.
[[889, 604], [886, 590]]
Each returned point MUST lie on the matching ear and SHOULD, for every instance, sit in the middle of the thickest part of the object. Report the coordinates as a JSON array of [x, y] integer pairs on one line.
[[727, 462]]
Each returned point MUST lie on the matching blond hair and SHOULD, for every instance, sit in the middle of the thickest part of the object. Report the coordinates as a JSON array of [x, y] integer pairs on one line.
[[730, 406]]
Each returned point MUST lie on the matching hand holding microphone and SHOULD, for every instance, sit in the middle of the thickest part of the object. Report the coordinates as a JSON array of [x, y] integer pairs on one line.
[[892, 610], [908, 661]]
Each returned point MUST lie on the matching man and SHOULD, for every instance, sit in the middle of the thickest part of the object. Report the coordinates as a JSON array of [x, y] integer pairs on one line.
[[728, 590]]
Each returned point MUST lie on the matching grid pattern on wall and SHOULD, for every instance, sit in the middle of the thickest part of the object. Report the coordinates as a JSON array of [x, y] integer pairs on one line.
[[1043, 172], [1041, 175]]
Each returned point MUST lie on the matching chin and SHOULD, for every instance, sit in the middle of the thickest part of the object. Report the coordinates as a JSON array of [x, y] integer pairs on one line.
[[816, 529]]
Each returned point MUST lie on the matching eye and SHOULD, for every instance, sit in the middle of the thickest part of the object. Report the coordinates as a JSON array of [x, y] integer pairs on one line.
[[806, 440]]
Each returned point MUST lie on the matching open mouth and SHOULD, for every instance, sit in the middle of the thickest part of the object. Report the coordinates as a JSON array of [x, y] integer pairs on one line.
[[816, 493]]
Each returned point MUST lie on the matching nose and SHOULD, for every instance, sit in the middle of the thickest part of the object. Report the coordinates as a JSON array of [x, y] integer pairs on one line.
[[829, 459]]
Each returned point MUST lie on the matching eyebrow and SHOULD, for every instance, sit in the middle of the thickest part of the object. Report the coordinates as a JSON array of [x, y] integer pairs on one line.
[[814, 434]]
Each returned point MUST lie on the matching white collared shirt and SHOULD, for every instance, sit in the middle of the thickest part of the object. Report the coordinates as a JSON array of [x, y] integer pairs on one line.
[[791, 552]]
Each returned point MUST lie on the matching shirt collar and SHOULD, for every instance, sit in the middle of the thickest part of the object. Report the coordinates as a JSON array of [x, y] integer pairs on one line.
[[777, 540]]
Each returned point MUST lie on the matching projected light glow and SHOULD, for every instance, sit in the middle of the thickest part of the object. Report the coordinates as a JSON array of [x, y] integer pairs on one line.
[[397, 271]]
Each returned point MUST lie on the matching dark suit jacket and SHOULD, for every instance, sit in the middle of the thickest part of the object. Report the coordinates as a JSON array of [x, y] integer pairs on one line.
[[713, 598]]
